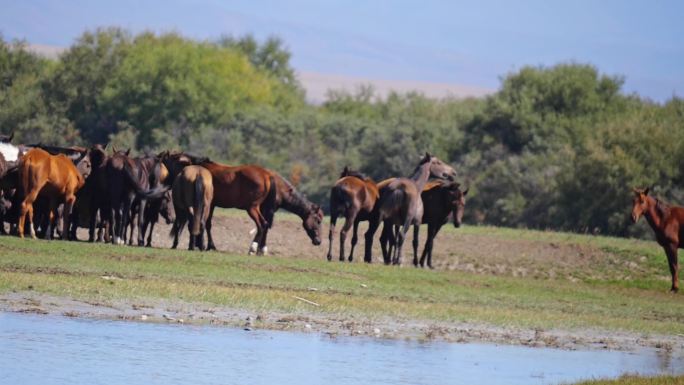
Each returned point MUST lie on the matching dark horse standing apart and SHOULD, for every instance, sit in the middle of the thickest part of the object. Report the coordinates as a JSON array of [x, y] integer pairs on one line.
[[353, 196], [666, 222], [400, 203], [440, 199]]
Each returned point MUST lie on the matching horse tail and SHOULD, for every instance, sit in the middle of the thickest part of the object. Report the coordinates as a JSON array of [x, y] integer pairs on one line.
[[390, 201], [154, 193], [268, 207], [198, 204], [338, 201]]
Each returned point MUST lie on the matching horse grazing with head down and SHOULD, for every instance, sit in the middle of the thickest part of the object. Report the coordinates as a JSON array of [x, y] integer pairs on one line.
[[353, 196], [668, 224], [400, 203], [53, 176], [287, 197]]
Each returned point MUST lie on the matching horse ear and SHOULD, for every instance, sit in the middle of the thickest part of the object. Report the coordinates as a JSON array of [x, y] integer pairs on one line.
[[465, 192], [9, 139], [647, 190], [128, 151]]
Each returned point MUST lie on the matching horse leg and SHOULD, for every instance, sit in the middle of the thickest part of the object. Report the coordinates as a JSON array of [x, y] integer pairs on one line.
[[373, 224], [66, 214], [210, 240], [27, 209], [149, 237], [178, 225], [671, 252], [126, 217], [253, 213], [92, 223], [355, 239], [416, 231], [428, 244], [263, 249], [52, 217], [348, 221], [141, 222], [331, 235], [401, 237], [432, 243], [385, 238]]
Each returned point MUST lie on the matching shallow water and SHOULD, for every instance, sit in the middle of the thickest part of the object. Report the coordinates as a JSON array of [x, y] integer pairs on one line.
[[58, 350]]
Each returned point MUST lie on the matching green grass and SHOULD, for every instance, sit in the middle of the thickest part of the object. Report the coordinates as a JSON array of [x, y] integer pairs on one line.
[[266, 283]]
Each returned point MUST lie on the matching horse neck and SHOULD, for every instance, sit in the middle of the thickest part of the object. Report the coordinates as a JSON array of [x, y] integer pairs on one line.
[[654, 217], [421, 175], [294, 202]]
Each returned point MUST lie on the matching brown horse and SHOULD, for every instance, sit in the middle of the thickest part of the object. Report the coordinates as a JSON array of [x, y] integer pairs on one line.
[[193, 192], [666, 222], [287, 197], [54, 176], [440, 199], [245, 187], [353, 196], [400, 203]]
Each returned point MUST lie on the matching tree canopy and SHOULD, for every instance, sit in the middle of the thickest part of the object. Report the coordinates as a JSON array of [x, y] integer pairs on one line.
[[555, 147]]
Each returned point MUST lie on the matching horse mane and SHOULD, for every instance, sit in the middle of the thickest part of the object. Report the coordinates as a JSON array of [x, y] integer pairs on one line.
[[295, 201], [662, 207], [355, 174], [195, 159]]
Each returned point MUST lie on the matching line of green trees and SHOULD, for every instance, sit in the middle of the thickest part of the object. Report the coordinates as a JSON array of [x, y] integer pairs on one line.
[[555, 147]]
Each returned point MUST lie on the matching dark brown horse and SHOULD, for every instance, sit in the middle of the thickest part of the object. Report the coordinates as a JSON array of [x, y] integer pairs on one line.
[[440, 199], [353, 196], [667, 223], [150, 173], [400, 203], [126, 180], [287, 197], [193, 192], [53, 176]]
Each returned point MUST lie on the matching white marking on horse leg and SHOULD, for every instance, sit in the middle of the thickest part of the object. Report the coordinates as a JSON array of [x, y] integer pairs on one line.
[[33, 231], [253, 248], [264, 250]]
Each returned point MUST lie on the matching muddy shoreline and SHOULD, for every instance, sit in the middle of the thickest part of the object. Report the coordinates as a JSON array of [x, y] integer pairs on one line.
[[177, 312]]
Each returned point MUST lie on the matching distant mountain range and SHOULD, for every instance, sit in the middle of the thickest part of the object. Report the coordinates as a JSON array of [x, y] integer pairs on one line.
[[317, 85]]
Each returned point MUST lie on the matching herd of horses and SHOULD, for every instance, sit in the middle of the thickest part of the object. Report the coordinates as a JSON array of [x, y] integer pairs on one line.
[[51, 191], [114, 194]]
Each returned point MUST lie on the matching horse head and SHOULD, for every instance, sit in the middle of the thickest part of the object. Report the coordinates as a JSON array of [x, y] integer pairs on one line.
[[313, 223], [640, 203], [438, 169], [456, 202]]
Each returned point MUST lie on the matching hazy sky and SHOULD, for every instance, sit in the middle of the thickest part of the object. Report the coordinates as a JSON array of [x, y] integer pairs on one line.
[[464, 42]]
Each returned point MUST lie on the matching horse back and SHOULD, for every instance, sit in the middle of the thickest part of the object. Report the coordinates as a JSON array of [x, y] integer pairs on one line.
[[239, 186]]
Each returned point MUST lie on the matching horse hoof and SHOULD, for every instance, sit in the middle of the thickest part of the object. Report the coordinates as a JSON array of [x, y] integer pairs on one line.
[[253, 248]]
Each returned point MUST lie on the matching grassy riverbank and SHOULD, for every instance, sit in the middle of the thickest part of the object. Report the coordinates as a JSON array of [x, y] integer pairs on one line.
[[503, 278]]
